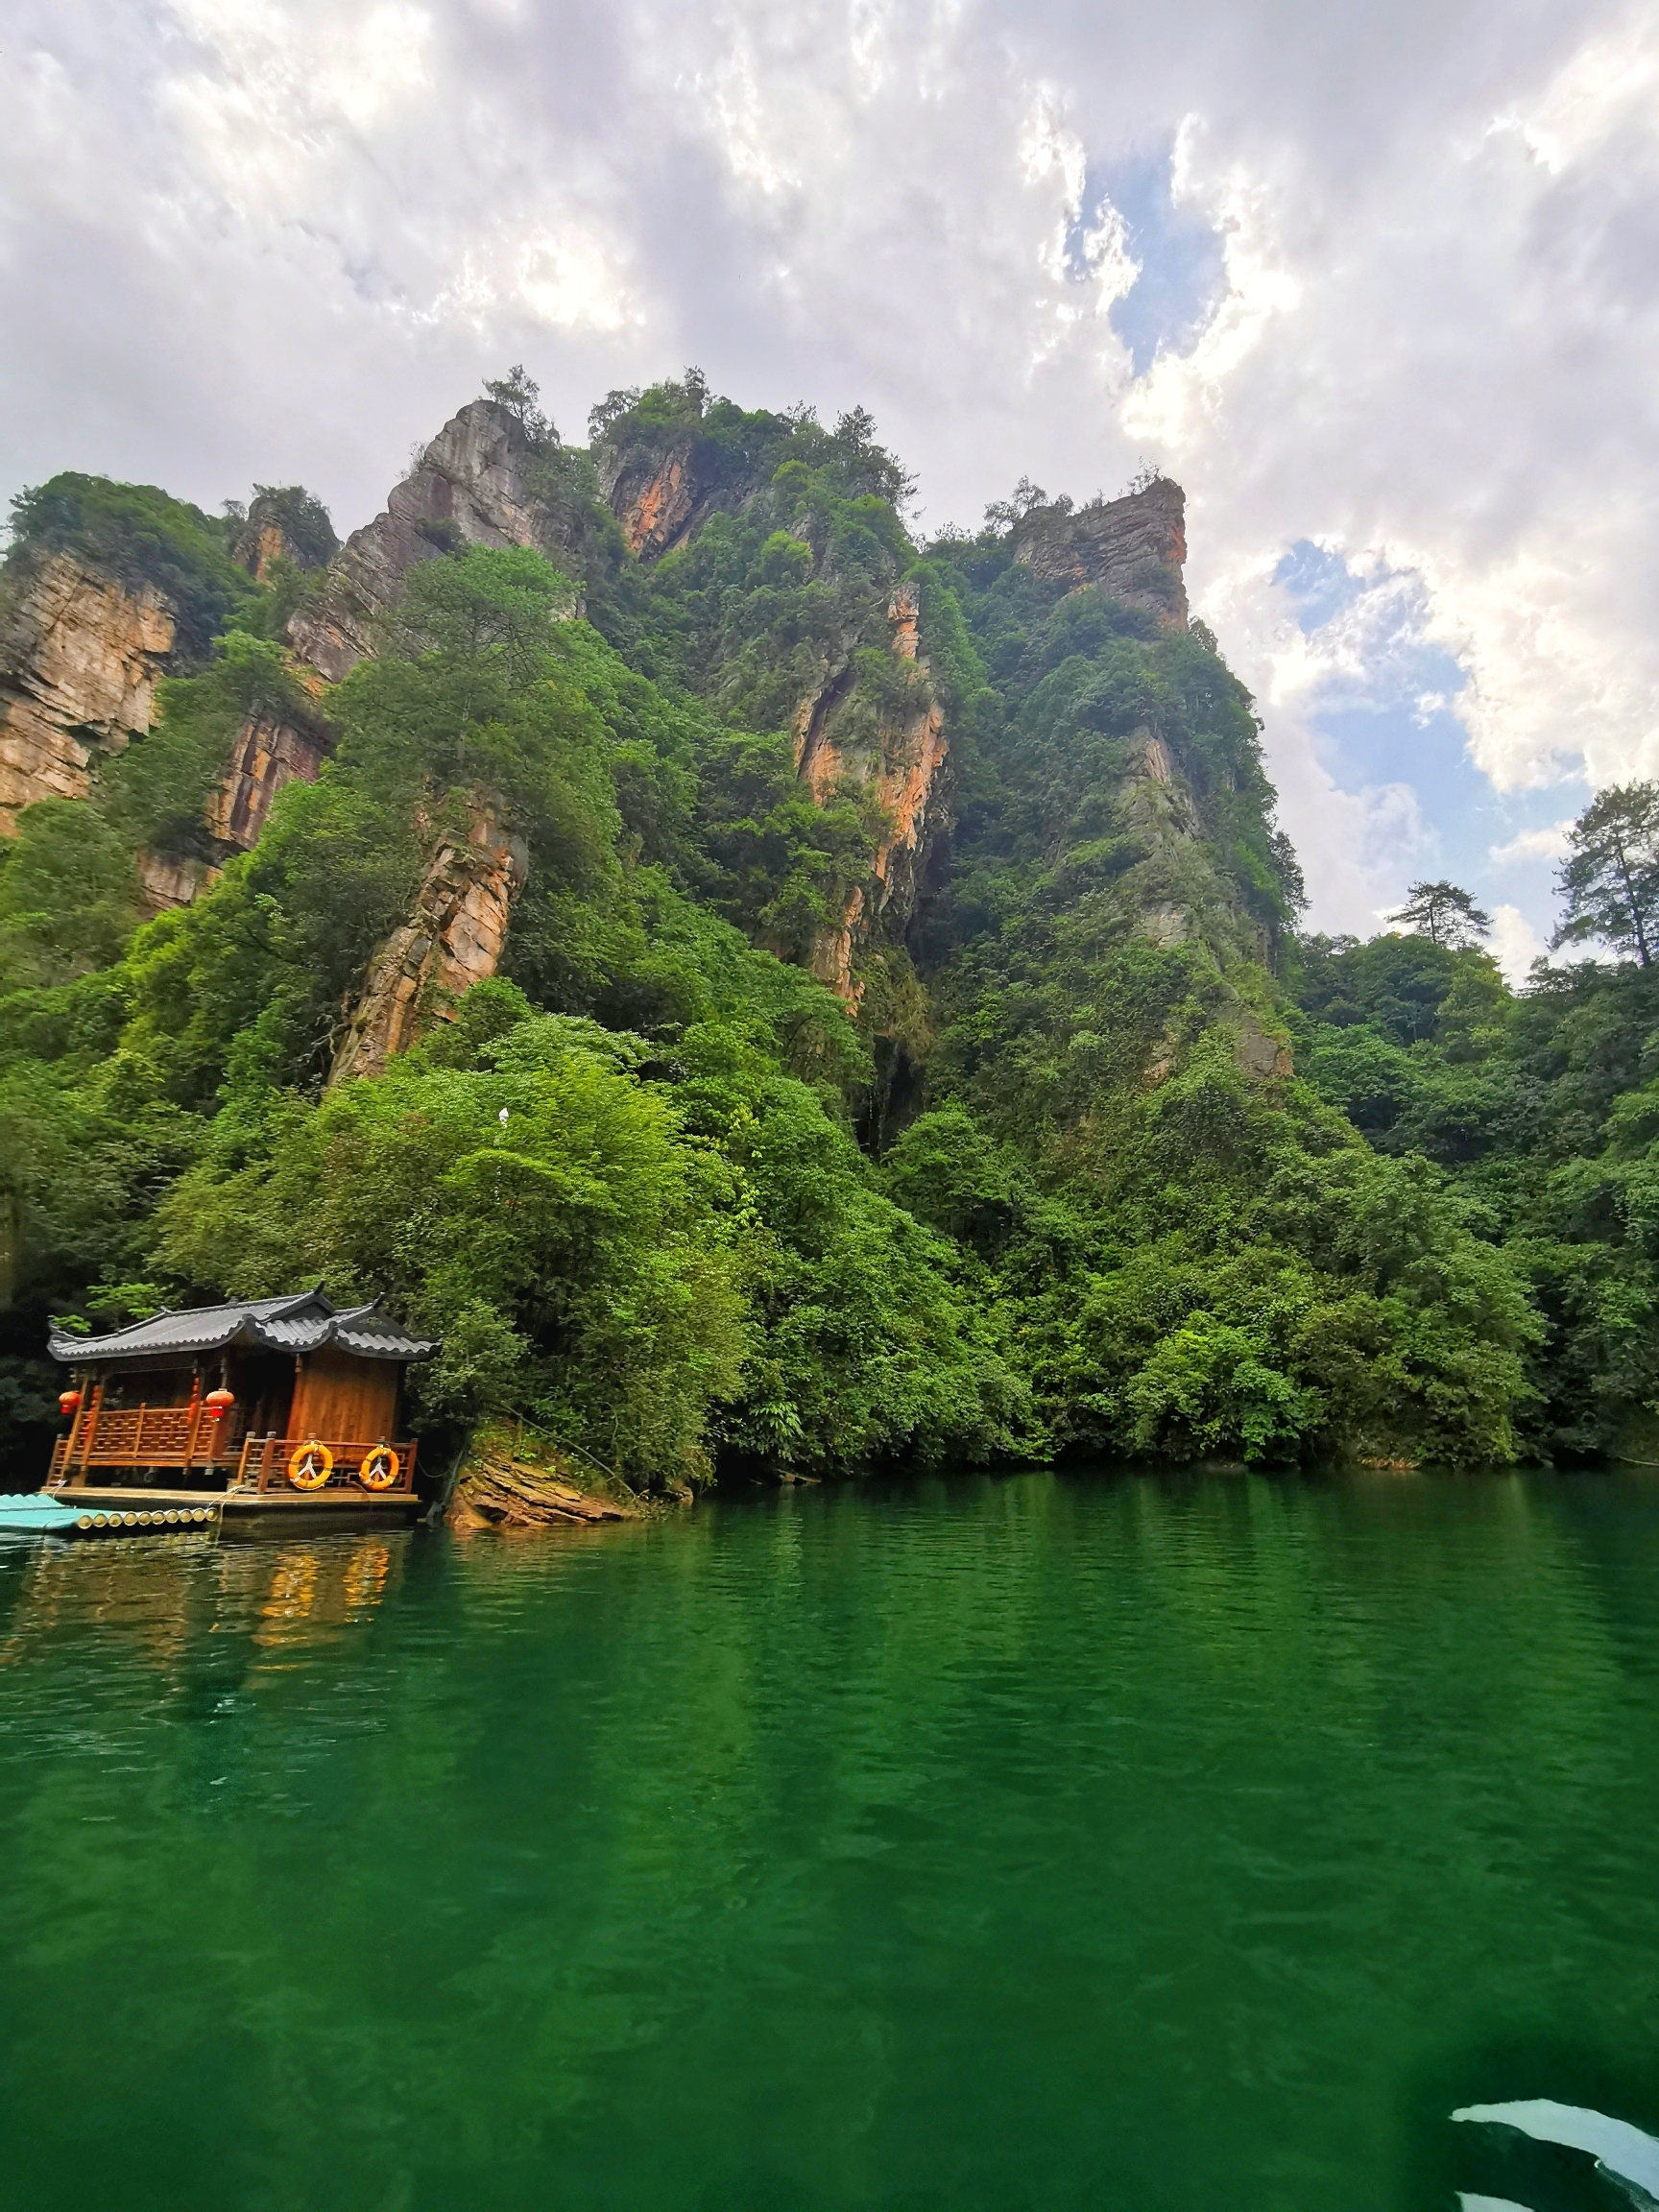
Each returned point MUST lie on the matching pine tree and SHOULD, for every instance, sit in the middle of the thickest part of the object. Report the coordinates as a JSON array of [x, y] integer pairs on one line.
[[1610, 878], [520, 394], [1444, 914]]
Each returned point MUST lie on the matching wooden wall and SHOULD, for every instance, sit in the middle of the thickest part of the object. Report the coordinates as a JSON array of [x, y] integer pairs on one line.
[[340, 1399]]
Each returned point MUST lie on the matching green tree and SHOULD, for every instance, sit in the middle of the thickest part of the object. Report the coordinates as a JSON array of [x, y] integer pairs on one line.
[[522, 397], [68, 895], [1610, 878], [1444, 913]]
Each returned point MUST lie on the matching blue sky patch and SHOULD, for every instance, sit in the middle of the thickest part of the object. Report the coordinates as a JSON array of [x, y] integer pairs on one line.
[[1182, 269], [1320, 583]]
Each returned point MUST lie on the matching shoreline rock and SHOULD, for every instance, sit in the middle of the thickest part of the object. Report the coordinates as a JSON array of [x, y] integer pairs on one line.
[[499, 1486]]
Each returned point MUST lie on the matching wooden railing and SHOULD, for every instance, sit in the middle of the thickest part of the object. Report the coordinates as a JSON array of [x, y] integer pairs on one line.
[[266, 1461], [145, 1436]]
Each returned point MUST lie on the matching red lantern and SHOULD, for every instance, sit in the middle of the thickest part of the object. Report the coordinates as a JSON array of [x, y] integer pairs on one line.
[[68, 1404], [218, 1402]]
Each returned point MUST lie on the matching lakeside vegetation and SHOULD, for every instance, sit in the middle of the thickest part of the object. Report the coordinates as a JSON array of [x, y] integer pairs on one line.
[[1035, 1199]]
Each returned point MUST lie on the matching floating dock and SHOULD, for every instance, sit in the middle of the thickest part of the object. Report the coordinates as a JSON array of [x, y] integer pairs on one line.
[[35, 1513]]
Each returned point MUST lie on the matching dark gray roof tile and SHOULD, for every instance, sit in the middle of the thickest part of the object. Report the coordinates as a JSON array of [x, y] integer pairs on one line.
[[301, 1322]]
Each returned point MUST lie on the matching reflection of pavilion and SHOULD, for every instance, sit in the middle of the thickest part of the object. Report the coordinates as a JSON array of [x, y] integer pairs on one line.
[[276, 1404], [179, 1609]]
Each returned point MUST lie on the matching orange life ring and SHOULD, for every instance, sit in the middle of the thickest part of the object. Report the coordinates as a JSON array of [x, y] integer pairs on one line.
[[311, 1465], [380, 1468]]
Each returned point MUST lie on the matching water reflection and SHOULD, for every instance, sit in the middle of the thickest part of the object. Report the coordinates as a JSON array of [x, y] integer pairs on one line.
[[150, 1602]]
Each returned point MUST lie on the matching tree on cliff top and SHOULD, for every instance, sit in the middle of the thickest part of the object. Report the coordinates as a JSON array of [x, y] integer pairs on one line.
[[1610, 878], [1444, 913], [520, 394]]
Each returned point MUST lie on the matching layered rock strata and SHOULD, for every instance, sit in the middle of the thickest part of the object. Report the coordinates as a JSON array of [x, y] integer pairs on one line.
[[270, 753], [507, 1483], [79, 658], [1133, 548], [452, 939], [904, 774], [472, 488]]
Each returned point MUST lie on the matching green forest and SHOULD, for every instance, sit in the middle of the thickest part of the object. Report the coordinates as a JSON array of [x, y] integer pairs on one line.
[[1112, 1160]]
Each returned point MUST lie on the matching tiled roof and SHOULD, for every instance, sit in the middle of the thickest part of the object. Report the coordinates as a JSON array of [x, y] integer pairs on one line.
[[294, 1324]]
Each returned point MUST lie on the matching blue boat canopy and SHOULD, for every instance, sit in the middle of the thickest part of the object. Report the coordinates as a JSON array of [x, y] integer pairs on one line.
[[301, 1323]]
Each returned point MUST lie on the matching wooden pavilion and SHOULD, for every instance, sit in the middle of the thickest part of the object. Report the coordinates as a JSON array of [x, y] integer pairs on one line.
[[278, 1405]]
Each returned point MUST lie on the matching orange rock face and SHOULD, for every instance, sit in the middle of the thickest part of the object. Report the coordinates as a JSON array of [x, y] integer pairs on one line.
[[80, 656], [654, 518], [904, 774], [271, 547], [270, 753], [661, 497]]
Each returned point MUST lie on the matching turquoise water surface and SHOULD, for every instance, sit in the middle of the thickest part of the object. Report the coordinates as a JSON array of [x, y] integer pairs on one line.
[[1043, 1841]]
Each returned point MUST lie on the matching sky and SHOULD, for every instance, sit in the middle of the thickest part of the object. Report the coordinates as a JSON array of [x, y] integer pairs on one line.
[[1379, 284]]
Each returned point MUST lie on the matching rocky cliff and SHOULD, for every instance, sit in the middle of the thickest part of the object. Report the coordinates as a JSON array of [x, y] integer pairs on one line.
[[80, 656], [452, 939], [903, 772], [1172, 896], [1133, 548], [284, 524], [661, 496], [473, 487], [270, 751], [80, 653]]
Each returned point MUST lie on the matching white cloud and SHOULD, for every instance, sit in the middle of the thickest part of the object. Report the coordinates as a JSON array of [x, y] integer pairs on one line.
[[1534, 845], [1515, 943]]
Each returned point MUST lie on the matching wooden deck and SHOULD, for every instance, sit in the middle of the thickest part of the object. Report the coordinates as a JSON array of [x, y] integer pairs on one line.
[[280, 1506], [258, 1479]]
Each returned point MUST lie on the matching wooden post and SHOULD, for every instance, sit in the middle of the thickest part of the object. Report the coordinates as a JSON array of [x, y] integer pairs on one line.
[[195, 1419], [92, 1436], [61, 1468]]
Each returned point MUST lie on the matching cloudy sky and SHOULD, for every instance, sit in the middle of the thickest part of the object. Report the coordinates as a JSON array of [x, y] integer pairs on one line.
[[1377, 283]]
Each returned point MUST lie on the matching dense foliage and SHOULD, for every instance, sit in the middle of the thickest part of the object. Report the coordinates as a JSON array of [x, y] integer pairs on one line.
[[1542, 1110], [1055, 1189]]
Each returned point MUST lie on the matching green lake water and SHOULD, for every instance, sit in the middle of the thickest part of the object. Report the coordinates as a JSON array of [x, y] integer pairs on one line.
[[1044, 1840]]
